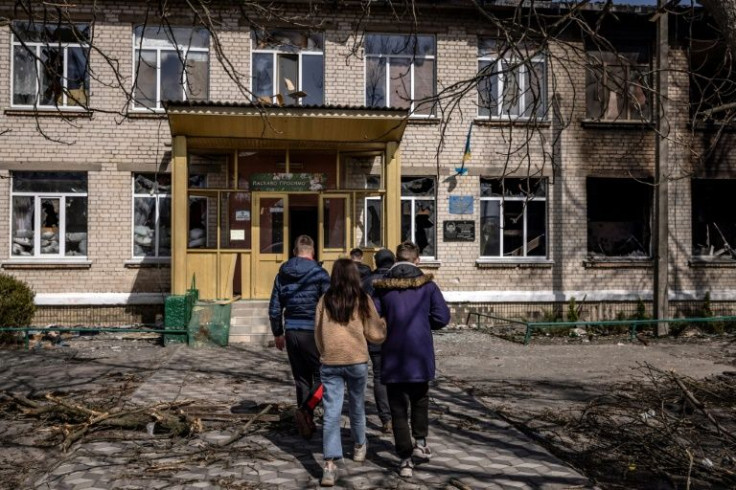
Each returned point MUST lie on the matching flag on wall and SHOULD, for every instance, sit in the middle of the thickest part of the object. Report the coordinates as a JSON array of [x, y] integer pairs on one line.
[[461, 170]]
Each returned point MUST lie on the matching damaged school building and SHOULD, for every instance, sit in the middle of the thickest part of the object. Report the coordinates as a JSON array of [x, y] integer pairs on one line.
[[144, 149]]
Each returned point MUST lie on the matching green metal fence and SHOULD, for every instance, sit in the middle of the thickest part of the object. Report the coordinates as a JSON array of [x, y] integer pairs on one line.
[[633, 325]]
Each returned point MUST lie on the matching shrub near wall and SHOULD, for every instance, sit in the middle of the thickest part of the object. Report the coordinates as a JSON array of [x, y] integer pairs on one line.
[[16, 302]]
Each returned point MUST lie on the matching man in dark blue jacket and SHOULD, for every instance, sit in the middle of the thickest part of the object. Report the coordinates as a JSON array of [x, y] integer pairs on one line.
[[413, 306], [296, 291]]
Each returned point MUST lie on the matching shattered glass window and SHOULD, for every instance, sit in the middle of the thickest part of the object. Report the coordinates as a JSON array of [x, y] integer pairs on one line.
[[512, 80], [401, 72], [288, 67], [170, 64], [618, 85], [619, 217], [49, 214], [50, 65], [419, 214], [513, 219]]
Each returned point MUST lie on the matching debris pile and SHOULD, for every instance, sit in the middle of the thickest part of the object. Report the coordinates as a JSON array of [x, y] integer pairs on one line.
[[663, 428]]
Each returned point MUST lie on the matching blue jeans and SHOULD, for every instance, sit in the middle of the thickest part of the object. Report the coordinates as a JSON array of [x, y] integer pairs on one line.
[[333, 380]]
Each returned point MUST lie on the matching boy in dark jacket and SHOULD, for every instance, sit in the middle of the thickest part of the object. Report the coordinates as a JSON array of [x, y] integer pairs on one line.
[[384, 260], [296, 291], [413, 306]]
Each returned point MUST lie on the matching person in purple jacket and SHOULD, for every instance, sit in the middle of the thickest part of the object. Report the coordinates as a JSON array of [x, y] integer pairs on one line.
[[413, 306]]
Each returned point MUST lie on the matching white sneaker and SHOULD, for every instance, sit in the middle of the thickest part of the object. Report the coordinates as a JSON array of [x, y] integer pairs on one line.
[[422, 452], [406, 469], [329, 474], [359, 452]]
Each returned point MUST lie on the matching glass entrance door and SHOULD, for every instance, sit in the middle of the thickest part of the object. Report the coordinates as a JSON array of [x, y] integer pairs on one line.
[[270, 243], [335, 223]]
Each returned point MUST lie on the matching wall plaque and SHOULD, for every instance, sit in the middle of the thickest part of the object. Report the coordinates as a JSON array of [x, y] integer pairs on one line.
[[461, 204], [458, 231]]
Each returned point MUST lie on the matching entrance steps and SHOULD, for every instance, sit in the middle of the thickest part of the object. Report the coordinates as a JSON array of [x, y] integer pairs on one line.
[[249, 323]]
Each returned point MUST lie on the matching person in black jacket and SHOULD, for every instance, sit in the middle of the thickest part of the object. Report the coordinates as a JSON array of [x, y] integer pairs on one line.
[[356, 255], [296, 291], [384, 260]]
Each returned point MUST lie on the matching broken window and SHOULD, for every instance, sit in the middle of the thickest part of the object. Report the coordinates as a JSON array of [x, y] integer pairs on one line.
[[714, 224], [712, 77], [288, 67], [50, 64], [512, 80], [513, 217], [619, 217], [49, 217], [418, 213], [152, 215], [170, 63], [618, 85], [400, 72]]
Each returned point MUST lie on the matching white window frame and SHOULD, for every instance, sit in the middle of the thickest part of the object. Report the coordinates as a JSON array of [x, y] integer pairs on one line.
[[275, 52], [521, 67], [502, 200], [37, 46], [413, 199], [158, 195], [366, 200], [387, 85], [183, 51], [37, 198]]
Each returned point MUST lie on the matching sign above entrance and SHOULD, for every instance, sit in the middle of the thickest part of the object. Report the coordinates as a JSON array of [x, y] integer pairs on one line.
[[288, 182]]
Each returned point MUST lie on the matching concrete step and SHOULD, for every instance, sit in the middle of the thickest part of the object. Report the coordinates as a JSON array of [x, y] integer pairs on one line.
[[246, 320], [264, 340], [250, 305]]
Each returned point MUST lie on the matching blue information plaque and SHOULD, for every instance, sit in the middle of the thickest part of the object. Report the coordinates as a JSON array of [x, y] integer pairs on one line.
[[461, 204]]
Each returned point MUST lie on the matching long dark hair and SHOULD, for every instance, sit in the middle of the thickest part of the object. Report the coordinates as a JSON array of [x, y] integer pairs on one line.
[[345, 293]]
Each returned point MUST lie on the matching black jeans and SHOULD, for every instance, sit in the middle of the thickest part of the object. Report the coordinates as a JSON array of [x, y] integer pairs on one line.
[[401, 398], [379, 389], [304, 360]]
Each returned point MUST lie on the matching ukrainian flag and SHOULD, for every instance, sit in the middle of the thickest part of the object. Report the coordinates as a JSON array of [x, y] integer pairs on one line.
[[461, 170]]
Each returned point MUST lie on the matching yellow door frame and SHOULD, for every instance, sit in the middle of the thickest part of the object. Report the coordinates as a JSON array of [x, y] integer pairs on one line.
[[264, 265], [329, 255]]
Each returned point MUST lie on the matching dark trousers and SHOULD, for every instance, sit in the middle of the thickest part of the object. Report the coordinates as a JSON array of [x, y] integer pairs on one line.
[[304, 361], [403, 398], [379, 389]]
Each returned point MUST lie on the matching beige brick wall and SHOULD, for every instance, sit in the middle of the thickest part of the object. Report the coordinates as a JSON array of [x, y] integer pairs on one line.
[[112, 140]]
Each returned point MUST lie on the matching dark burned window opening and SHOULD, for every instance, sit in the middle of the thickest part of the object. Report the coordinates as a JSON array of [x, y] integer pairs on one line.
[[714, 223], [712, 79], [619, 217], [618, 83]]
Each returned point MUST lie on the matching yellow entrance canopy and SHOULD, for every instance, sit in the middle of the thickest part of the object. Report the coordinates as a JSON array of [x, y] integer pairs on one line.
[[216, 125]]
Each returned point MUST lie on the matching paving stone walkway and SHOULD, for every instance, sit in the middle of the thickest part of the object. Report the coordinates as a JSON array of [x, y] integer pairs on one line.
[[472, 449]]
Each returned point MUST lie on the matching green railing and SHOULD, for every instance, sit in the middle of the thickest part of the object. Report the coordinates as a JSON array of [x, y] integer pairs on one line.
[[27, 331], [633, 324]]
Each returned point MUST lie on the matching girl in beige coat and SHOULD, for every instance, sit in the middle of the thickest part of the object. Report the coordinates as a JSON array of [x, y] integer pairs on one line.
[[345, 319]]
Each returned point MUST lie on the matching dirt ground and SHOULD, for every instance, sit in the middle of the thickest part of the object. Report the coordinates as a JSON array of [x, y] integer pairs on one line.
[[598, 405], [547, 389]]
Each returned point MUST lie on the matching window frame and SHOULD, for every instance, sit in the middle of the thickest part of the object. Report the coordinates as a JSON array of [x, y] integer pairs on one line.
[[38, 45], [412, 199], [157, 195], [275, 52], [183, 52], [387, 86], [37, 198], [523, 68], [525, 240], [598, 68]]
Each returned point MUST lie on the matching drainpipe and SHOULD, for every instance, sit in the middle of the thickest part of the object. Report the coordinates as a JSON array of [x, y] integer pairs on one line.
[[661, 196]]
